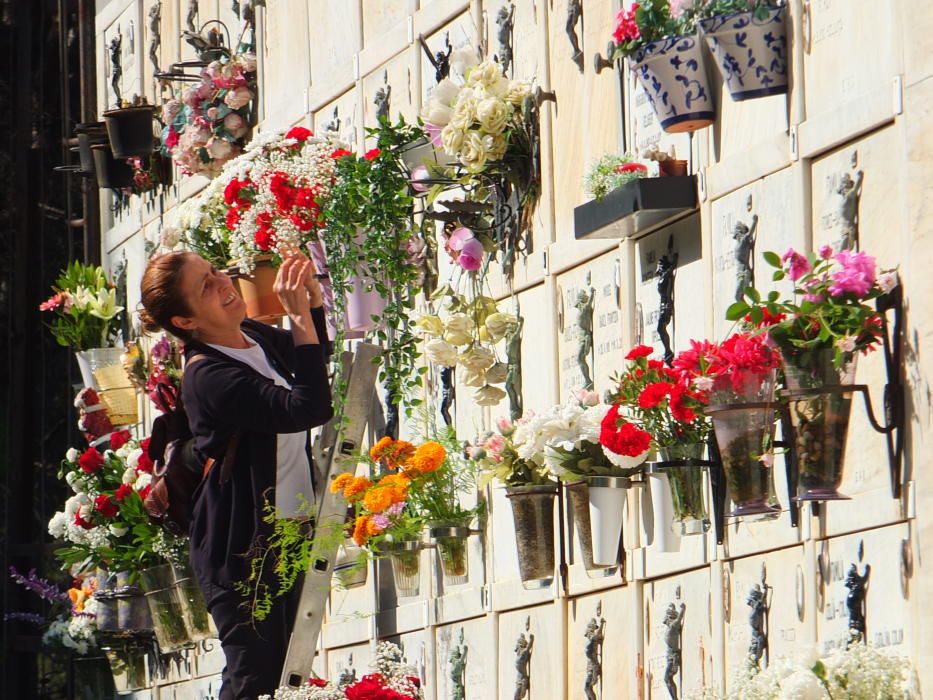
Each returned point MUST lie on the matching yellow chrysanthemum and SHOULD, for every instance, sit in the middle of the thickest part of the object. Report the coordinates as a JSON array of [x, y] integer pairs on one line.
[[427, 458], [341, 482], [353, 490], [378, 499]]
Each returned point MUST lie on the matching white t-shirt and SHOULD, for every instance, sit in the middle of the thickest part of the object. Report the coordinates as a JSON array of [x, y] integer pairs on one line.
[[293, 471]]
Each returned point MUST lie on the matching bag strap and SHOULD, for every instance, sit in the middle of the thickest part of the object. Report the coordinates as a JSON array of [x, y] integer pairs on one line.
[[229, 454]]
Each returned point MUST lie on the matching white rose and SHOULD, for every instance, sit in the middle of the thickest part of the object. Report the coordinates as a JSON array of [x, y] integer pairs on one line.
[[431, 325], [436, 113], [445, 92], [493, 114], [498, 373], [129, 476], [485, 74], [499, 146], [474, 377], [517, 93], [477, 359], [488, 396], [440, 352], [452, 139], [459, 323], [71, 455], [248, 61], [802, 685], [475, 151], [500, 325], [58, 525], [118, 531], [132, 459], [458, 338], [465, 110]]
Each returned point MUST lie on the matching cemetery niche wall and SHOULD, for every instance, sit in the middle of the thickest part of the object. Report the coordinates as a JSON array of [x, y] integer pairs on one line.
[[833, 159]]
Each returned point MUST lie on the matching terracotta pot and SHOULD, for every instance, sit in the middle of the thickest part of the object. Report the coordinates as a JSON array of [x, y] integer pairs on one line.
[[673, 73], [672, 168], [262, 304], [130, 131], [750, 52]]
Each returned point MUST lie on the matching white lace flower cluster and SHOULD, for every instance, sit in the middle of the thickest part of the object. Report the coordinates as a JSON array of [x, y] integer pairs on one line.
[[474, 118], [76, 631], [861, 672], [467, 340]]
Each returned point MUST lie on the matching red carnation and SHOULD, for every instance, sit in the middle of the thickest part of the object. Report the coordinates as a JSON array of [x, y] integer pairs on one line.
[[144, 491], [299, 133], [639, 351], [119, 439], [106, 506], [122, 492], [90, 461], [232, 220], [372, 155], [681, 412], [626, 439], [317, 682], [653, 394], [81, 522], [340, 153], [369, 687], [232, 196], [631, 168], [144, 464]]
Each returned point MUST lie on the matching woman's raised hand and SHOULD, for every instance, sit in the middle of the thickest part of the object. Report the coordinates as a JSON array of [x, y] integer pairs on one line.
[[291, 285]]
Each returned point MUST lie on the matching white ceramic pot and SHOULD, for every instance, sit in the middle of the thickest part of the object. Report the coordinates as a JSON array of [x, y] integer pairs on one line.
[[750, 51], [607, 496]]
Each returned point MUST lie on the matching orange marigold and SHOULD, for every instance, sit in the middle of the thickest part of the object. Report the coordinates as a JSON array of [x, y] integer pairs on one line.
[[361, 531], [378, 450], [427, 458], [378, 499], [353, 490], [392, 452], [341, 482]]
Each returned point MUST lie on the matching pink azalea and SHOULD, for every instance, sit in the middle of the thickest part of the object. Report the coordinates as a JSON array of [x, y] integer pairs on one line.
[[856, 276], [797, 265], [826, 252], [417, 175], [458, 238], [471, 255]]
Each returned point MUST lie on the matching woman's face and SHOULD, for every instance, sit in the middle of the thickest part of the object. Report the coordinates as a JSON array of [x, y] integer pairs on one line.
[[216, 308]]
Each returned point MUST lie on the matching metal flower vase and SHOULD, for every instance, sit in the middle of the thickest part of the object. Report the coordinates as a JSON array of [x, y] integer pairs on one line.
[[578, 496], [607, 495], [533, 515], [743, 413], [132, 611], [165, 606], [750, 49], [108, 614], [819, 401], [451, 542], [406, 566], [130, 130], [672, 72], [683, 464]]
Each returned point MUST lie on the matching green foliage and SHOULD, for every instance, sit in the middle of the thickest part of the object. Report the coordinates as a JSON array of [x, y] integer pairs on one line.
[[711, 8], [604, 176]]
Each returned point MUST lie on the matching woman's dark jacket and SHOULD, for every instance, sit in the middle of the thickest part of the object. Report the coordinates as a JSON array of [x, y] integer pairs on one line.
[[222, 397]]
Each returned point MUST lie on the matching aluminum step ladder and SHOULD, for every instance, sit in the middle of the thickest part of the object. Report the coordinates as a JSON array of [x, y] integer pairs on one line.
[[335, 444]]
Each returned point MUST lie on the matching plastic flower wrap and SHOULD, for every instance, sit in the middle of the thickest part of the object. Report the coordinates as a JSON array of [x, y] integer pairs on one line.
[[207, 123], [266, 202]]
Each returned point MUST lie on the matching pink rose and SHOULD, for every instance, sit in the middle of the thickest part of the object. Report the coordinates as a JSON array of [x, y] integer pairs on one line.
[[191, 97], [797, 265], [239, 97], [236, 125], [826, 252], [471, 255], [219, 148], [458, 238], [417, 175]]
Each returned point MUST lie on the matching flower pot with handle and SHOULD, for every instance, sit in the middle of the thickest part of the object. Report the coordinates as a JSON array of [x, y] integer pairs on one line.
[[406, 566], [672, 72], [533, 516], [578, 495], [819, 405], [750, 49], [607, 496], [262, 303], [350, 565], [451, 541], [686, 484], [743, 421], [130, 130], [112, 172]]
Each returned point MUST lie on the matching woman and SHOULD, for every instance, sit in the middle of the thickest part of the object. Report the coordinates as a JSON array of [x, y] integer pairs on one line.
[[251, 393]]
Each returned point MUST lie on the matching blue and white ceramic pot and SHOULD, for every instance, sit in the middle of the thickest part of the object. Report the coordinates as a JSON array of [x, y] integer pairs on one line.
[[673, 74], [750, 50]]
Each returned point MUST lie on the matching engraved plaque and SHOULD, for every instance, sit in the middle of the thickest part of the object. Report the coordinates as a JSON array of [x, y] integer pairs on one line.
[[478, 678], [618, 657], [546, 665]]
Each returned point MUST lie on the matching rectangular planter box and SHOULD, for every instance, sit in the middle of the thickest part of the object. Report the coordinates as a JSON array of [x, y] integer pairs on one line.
[[636, 208]]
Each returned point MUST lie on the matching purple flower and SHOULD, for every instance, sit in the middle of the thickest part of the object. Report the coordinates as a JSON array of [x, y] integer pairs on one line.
[[395, 508], [381, 520], [39, 586], [162, 350], [797, 265], [856, 276]]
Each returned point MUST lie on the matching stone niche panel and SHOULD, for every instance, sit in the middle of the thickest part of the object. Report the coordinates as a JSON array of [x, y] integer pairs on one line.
[[664, 549], [350, 612], [888, 611], [788, 622], [590, 296], [118, 223], [340, 117], [415, 651], [607, 614], [838, 70], [379, 16], [859, 183], [690, 594], [545, 667], [460, 32], [397, 73], [479, 671], [350, 662], [286, 66], [689, 287], [126, 28], [336, 35], [765, 215]]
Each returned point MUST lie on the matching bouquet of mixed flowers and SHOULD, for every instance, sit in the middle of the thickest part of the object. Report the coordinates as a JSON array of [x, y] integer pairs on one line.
[[650, 20], [70, 622], [267, 202], [513, 454], [207, 124], [829, 311], [391, 679], [612, 171], [466, 336], [159, 373], [85, 308], [105, 524]]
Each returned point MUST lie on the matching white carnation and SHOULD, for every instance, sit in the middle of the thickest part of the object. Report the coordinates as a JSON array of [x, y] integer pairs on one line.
[[129, 476], [71, 455]]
